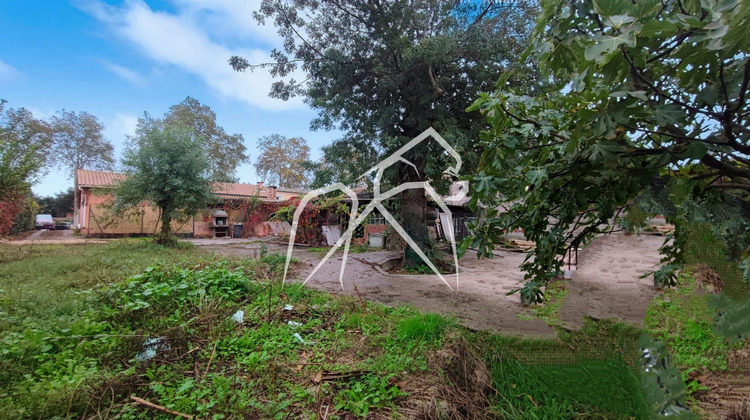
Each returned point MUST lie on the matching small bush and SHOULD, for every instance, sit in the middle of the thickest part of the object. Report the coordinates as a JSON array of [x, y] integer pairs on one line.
[[164, 290]]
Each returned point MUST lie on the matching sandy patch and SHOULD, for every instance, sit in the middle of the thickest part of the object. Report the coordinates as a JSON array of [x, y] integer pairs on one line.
[[607, 283]]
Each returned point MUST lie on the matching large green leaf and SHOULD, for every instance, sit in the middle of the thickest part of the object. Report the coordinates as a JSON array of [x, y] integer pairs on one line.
[[661, 380], [608, 8], [660, 28], [536, 176], [607, 46]]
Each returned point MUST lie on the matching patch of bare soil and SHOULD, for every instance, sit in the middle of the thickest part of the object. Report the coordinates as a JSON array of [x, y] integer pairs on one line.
[[52, 237], [21, 236], [728, 395], [607, 283], [479, 302]]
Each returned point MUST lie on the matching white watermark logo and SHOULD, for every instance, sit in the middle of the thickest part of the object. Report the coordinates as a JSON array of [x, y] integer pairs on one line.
[[356, 220]]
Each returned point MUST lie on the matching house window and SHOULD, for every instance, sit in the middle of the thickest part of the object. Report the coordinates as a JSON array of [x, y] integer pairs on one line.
[[375, 218]]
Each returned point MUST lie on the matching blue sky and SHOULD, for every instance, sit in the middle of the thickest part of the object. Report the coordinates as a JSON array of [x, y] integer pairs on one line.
[[117, 59]]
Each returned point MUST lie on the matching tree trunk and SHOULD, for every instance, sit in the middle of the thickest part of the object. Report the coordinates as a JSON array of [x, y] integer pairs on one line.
[[413, 219], [165, 235]]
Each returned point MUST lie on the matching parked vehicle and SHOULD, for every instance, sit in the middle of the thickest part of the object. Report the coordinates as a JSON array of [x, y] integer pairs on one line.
[[62, 226], [44, 221]]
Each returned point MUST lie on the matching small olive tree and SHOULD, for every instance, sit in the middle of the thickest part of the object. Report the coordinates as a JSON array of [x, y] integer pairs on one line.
[[166, 166]]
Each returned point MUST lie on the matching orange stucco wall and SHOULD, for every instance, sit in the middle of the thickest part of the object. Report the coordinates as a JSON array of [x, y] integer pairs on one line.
[[97, 220]]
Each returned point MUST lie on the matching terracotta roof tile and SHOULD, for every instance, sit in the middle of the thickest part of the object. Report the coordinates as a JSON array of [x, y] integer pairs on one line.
[[293, 190], [109, 179], [97, 178], [225, 189]]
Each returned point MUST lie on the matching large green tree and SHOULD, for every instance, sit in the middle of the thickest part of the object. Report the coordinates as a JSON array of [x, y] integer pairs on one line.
[[79, 143], [24, 148], [383, 72], [166, 166], [282, 160], [225, 151], [646, 98]]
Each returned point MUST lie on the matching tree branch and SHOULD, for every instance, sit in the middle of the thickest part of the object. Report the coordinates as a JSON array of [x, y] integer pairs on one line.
[[534, 123], [660, 92], [733, 186], [678, 41], [725, 168]]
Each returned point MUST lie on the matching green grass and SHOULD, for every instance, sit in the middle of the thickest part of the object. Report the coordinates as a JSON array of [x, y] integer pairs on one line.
[[588, 387], [554, 295], [591, 373], [73, 318], [684, 320]]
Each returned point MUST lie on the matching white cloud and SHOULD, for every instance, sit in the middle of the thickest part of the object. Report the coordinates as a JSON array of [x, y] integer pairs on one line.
[[230, 19], [42, 114], [195, 43], [122, 125], [124, 73], [118, 128], [7, 72]]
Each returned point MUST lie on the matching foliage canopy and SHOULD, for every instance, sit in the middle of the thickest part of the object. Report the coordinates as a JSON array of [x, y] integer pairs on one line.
[[384, 72], [642, 94], [58, 205], [282, 160], [24, 147], [167, 167], [224, 151], [80, 143]]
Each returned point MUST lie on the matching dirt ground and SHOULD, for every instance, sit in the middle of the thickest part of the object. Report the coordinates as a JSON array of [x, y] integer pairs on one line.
[[51, 237], [606, 284]]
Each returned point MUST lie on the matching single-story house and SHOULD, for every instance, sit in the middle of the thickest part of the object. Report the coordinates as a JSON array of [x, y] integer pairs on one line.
[[95, 194]]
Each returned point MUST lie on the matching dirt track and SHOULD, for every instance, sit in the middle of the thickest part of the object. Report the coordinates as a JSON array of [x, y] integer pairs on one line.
[[52, 237], [607, 284]]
